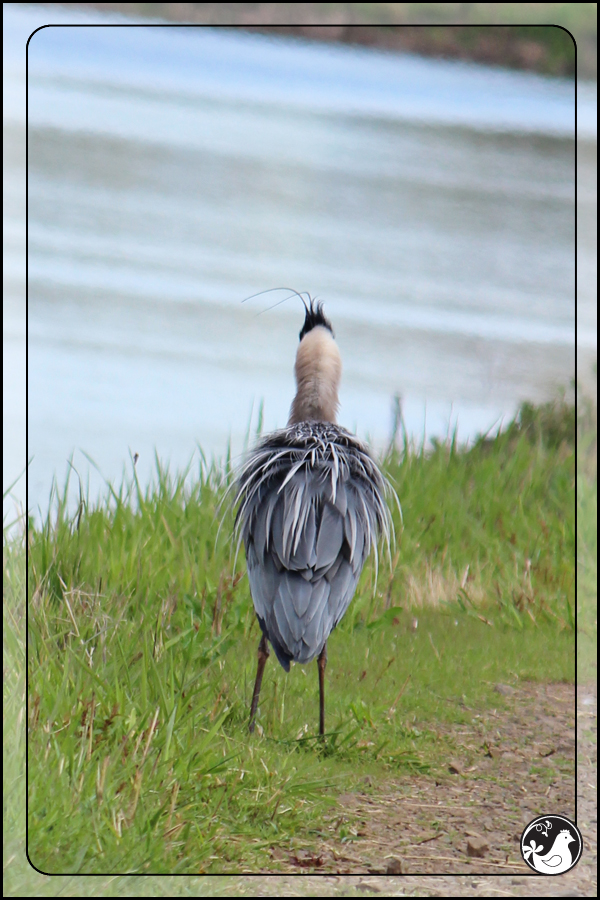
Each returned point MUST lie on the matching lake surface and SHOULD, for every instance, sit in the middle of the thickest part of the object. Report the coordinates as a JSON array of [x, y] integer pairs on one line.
[[175, 171]]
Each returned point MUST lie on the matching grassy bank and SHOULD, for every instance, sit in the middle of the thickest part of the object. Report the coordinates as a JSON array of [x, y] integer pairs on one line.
[[472, 31], [143, 646]]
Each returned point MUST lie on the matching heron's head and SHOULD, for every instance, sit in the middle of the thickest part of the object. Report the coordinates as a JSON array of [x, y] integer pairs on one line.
[[314, 318], [318, 370]]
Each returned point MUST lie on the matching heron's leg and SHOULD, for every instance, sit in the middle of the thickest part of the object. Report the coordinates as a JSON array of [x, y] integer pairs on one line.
[[263, 655], [322, 662]]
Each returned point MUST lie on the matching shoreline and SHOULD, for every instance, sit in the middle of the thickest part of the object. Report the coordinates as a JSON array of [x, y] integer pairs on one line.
[[482, 33]]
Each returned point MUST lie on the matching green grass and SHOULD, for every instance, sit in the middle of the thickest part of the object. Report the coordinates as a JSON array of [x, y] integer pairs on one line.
[[19, 879], [13, 578], [142, 654]]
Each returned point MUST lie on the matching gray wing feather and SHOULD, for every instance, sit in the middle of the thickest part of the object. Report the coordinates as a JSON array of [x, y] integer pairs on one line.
[[263, 577], [343, 586], [288, 620], [318, 599], [333, 569], [276, 529], [314, 632], [308, 522], [303, 557], [350, 526], [259, 532], [302, 595], [331, 535], [355, 527], [313, 637], [341, 500], [295, 592]]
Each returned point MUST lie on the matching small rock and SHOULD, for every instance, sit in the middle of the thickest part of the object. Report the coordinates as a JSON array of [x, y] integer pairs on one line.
[[394, 867], [364, 886], [493, 752], [306, 858], [504, 689], [455, 768], [565, 748], [547, 751], [477, 846]]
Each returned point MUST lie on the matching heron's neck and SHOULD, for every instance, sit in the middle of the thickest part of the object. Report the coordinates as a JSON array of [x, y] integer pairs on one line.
[[318, 371]]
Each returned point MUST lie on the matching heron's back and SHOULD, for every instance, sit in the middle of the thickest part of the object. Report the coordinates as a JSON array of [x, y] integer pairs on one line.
[[312, 505]]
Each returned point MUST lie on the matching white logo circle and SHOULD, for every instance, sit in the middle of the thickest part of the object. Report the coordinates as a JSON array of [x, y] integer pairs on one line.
[[551, 845]]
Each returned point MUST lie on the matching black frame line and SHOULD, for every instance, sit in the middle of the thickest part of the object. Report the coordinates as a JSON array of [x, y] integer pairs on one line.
[[470, 872]]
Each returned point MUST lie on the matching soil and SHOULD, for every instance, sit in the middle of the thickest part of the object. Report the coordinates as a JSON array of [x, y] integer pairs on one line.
[[516, 763]]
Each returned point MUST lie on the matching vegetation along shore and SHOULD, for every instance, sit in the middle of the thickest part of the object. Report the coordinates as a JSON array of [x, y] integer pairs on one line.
[[142, 650], [468, 31]]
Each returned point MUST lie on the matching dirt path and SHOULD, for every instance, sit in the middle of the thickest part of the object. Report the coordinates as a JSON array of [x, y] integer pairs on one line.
[[514, 764]]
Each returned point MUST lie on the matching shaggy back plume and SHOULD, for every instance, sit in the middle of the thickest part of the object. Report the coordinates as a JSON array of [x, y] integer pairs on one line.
[[312, 504]]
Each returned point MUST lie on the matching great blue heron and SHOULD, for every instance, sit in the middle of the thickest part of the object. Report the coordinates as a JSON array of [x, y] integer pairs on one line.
[[312, 505]]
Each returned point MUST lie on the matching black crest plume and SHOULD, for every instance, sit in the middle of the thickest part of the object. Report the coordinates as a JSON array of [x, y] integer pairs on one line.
[[314, 316], [314, 311]]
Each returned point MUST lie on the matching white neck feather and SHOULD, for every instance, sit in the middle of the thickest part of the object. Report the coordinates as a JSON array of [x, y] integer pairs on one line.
[[318, 372]]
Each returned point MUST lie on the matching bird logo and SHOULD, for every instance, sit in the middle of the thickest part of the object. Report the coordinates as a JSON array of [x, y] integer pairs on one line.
[[559, 847]]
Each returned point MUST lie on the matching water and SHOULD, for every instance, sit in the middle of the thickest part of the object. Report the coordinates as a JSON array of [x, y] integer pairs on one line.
[[173, 172]]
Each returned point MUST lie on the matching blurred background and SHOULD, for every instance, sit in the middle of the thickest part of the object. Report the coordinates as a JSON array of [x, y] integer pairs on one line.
[[420, 181]]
